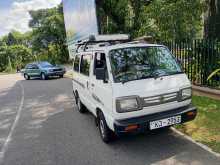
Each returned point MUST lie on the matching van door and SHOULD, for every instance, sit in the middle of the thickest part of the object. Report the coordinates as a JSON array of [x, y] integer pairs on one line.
[[100, 91], [84, 79]]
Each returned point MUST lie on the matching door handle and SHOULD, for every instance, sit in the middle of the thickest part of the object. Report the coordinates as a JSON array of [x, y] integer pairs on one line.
[[87, 85], [92, 85]]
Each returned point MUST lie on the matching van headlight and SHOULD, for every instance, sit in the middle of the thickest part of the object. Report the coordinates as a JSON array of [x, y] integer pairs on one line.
[[128, 104], [186, 93]]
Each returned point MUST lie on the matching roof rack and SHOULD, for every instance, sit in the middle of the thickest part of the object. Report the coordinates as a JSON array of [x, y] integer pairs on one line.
[[102, 40]]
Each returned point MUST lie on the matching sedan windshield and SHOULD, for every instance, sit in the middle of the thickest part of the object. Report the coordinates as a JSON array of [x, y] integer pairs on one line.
[[45, 65], [136, 63]]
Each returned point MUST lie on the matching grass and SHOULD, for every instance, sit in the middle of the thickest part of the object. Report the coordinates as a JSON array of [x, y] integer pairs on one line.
[[206, 127]]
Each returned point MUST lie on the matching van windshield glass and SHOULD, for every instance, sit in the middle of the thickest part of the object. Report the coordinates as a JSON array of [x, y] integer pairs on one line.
[[136, 63]]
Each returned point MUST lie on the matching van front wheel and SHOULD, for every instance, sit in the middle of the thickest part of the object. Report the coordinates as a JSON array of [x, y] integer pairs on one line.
[[105, 133]]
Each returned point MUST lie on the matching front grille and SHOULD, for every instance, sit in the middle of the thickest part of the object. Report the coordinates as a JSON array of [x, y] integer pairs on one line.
[[160, 99], [57, 70]]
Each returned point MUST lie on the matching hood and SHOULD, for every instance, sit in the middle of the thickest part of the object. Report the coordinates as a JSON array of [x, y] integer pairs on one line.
[[151, 87]]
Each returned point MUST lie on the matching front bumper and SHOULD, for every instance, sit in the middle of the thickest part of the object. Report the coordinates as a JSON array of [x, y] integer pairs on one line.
[[143, 122], [56, 73]]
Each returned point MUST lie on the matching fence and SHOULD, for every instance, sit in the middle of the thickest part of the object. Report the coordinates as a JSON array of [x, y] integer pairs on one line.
[[199, 58]]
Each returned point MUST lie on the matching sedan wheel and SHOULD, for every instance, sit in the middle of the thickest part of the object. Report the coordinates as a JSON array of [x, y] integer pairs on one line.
[[43, 76], [26, 77]]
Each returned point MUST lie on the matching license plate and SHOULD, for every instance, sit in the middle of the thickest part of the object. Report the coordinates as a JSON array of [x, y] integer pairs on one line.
[[165, 122]]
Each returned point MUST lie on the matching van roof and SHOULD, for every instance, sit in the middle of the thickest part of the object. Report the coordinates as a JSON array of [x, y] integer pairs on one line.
[[119, 46], [126, 45]]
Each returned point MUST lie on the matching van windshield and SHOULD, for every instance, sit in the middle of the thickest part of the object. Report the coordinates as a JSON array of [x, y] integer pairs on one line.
[[136, 63]]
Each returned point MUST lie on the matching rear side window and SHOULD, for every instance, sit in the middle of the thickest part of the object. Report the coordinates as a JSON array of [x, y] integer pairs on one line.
[[35, 67], [76, 64], [28, 66], [85, 64]]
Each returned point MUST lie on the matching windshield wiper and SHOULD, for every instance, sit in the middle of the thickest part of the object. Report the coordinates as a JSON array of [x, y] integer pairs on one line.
[[181, 72], [156, 76], [141, 78], [125, 81]]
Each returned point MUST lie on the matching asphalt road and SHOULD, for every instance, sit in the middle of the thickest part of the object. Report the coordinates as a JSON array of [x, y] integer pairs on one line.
[[39, 125]]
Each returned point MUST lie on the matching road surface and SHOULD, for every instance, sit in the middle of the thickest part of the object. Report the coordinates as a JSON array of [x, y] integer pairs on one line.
[[39, 125]]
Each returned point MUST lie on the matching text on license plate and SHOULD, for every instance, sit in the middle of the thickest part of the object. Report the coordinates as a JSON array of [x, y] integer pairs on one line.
[[165, 122]]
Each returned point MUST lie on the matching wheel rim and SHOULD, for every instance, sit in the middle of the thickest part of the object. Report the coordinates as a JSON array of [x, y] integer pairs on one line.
[[43, 76], [78, 104], [102, 129]]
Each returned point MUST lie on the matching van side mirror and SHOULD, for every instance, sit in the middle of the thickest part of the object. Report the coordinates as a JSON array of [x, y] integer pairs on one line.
[[100, 73]]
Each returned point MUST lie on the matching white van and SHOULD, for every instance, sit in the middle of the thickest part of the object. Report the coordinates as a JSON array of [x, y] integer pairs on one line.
[[130, 86]]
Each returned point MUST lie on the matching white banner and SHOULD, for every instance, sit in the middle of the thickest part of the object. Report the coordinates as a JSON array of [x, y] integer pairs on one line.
[[80, 20]]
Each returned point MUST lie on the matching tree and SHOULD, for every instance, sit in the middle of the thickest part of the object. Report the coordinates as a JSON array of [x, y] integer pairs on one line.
[[48, 29], [163, 19], [120, 16], [15, 55], [176, 19], [212, 20]]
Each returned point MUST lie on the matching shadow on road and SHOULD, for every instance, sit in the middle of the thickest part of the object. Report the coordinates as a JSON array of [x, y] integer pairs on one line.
[[51, 131]]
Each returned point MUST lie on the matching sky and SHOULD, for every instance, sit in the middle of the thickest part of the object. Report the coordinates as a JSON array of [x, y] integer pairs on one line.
[[14, 13]]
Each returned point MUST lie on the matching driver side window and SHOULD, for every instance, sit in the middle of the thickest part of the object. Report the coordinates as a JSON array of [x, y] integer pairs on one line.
[[100, 62], [35, 67]]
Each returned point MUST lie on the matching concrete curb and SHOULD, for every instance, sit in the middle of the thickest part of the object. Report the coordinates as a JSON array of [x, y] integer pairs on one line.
[[206, 90], [197, 143]]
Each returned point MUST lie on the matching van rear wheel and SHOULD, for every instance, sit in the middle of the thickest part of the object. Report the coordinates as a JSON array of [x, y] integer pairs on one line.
[[80, 107]]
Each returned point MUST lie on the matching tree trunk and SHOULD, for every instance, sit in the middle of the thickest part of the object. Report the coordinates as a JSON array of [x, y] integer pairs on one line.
[[212, 20]]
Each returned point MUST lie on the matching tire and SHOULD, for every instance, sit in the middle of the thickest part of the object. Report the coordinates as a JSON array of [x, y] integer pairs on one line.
[[105, 132], [80, 107], [43, 76], [26, 77], [61, 76]]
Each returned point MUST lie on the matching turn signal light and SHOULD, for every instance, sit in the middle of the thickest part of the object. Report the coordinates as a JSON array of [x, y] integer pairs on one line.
[[131, 128], [191, 113]]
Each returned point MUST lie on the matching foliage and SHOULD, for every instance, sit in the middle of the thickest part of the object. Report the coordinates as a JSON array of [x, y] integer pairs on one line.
[[49, 34], [120, 16], [165, 20], [214, 73], [46, 41], [212, 17], [14, 56], [176, 19]]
